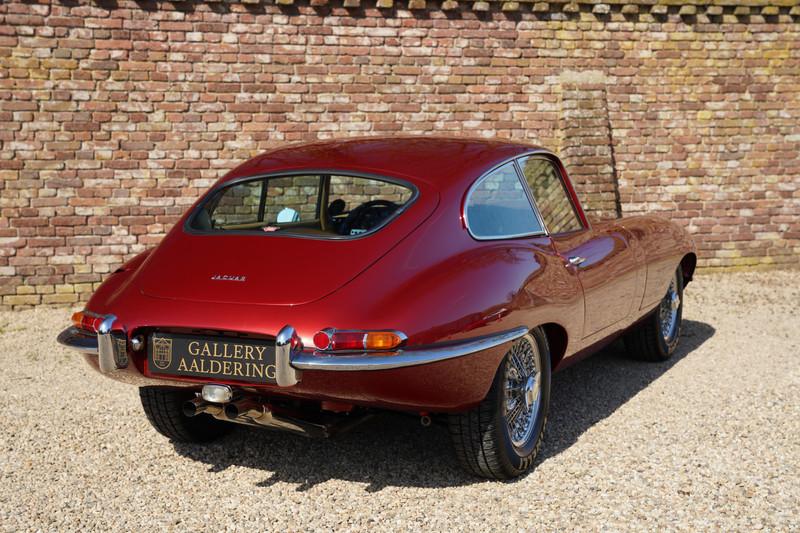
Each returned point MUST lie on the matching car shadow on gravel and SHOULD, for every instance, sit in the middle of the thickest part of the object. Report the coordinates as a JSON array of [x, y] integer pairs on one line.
[[393, 450], [590, 391]]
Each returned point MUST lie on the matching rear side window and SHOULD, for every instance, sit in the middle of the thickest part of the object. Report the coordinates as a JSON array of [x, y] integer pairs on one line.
[[321, 205], [497, 206], [373, 199], [290, 199], [356, 191], [550, 196]]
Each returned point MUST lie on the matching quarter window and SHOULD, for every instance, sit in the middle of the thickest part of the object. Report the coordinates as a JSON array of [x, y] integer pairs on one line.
[[354, 191], [550, 196], [253, 203], [497, 207]]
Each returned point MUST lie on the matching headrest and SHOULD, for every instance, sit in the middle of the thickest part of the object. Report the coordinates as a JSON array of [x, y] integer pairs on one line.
[[336, 207]]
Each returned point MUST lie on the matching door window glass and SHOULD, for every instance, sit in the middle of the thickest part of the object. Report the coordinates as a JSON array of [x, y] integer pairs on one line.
[[555, 206]]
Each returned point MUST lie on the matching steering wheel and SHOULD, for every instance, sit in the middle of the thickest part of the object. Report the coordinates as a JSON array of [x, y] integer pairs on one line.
[[367, 215]]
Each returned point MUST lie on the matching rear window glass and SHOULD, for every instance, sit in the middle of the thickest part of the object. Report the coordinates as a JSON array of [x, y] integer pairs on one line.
[[320, 205], [498, 206]]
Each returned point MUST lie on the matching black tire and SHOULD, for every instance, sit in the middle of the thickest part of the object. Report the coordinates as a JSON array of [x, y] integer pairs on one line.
[[646, 341], [164, 410], [481, 437]]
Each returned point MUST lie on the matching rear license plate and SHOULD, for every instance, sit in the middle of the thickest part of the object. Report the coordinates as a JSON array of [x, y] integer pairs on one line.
[[213, 358]]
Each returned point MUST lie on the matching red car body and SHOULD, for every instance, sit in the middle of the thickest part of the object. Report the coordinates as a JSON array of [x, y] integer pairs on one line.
[[423, 274]]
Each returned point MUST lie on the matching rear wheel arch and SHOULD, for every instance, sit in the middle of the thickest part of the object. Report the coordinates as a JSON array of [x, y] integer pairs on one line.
[[557, 341], [688, 264]]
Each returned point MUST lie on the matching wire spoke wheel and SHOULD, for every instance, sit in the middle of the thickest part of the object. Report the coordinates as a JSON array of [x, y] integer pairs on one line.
[[522, 386], [656, 337], [500, 438], [668, 312]]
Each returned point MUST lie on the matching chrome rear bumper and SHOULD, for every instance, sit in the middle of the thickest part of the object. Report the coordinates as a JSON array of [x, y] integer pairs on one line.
[[110, 347], [403, 358], [78, 340]]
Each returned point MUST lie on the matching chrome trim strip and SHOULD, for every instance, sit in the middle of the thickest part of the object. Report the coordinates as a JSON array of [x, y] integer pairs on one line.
[[78, 340], [561, 179], [403, 358], [285, 374], [528, 192]]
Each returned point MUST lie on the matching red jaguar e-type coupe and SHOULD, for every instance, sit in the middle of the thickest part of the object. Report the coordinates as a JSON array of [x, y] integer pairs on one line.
[[446, 278]]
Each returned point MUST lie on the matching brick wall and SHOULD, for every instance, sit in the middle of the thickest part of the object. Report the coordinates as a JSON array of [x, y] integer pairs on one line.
[[115, 115]]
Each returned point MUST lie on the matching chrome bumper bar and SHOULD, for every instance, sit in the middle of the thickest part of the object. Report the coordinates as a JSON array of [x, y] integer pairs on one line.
[[111, 348], [78, 340], [403, 358]]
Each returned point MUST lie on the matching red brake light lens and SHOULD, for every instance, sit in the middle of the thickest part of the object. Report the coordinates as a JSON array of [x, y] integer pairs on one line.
[[347, 340], [357, 340], [322, 340]]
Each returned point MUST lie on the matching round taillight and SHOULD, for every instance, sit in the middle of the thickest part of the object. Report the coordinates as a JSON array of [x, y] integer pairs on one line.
[[322, 340]]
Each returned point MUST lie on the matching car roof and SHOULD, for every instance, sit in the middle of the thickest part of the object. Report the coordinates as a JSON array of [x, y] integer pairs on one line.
[[440, 161]]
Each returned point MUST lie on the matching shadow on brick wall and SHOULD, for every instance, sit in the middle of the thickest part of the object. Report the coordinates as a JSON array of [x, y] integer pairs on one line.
[[742, 12]]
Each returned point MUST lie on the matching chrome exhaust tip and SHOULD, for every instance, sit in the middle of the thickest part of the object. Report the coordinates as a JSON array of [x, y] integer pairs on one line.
[[198, 406], [245, 407]]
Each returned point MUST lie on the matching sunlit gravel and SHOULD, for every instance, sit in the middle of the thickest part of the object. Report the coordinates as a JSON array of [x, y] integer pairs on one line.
[[707, 441]]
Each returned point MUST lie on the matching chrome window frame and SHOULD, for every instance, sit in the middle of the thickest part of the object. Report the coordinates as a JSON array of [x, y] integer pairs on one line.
[[525, 191]]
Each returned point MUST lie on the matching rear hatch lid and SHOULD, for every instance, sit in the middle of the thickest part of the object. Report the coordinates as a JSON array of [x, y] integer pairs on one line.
[[270, 269]]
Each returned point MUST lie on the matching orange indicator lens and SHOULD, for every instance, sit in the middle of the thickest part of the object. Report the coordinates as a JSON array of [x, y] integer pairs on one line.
[[382, 340]]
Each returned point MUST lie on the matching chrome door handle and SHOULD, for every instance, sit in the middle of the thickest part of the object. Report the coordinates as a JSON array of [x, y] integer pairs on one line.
[[576, 260]]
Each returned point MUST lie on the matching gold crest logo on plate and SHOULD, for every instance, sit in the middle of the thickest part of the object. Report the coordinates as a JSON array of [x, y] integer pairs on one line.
[[121, 352], [162, 352]]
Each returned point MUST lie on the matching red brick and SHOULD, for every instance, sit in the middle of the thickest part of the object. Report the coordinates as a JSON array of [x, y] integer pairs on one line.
[[114, 124]]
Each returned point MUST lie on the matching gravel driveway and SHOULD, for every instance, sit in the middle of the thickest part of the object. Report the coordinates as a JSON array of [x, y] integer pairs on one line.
[[708, 440]]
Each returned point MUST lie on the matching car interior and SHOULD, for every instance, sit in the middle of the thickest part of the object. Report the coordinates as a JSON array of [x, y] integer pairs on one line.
[[320, 205]]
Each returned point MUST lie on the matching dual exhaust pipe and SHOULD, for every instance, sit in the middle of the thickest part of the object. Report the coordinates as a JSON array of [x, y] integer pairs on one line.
[[218, 401], [232, 410], [245, 411], [212, 400]]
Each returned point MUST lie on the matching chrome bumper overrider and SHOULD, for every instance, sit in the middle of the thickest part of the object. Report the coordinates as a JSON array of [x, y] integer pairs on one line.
[[110, 346]]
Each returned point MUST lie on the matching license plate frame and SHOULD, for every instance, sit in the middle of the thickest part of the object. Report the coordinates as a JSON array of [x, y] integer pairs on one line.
[[212, 358]]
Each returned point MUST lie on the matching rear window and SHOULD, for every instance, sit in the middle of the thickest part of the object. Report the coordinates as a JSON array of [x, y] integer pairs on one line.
[[321, 205]]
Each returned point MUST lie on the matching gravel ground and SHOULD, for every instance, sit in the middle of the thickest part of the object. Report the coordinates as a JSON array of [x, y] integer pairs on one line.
[[708, 440]]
